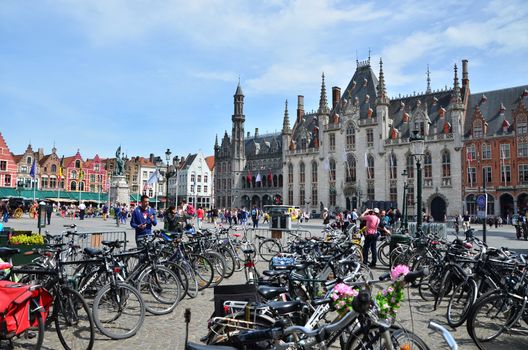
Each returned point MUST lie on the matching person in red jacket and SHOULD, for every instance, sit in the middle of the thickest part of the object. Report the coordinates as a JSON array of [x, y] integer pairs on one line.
[[199, 217]]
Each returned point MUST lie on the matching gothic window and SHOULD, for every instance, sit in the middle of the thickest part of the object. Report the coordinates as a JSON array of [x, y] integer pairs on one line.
[[290, 195], [53, 169], [486, 151], [29, 161], [280, 180], [350, 168], [522, 126], [332, 142], [477, 129], [332, 171], [73, 186], [290, 173], [420, 126], [370, 138], [428, 170], [302, 195], [446, 168], [314, 171], [393, 166], [78, 164], [301, 173], [370, 167], [410, 165], [370, 190], [350, 137], [314, 195], [393, 192]]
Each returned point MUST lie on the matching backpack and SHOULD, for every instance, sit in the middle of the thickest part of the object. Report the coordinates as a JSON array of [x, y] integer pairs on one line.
[[190, 209], [254, 212]]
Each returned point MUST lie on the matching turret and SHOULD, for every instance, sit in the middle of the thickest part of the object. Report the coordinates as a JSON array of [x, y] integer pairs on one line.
[[382, 110]]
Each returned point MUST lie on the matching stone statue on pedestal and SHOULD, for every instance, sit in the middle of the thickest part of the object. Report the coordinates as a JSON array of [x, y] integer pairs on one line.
[[119, 190], [120, 163]]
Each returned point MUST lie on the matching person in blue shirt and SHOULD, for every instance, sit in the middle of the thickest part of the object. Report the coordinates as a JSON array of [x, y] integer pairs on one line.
[[143, 218]]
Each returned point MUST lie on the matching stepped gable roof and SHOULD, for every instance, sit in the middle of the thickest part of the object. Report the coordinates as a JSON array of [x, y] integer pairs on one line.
[[496, 107], [189, 160], [210, 161], [44, 159], [363, 83], [3, 146], [263, 144], [17, 157], [436, 104], [305, 129], [143, 161]]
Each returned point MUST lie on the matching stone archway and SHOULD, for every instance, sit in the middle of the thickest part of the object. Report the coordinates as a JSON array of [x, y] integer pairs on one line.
[[245, 201], [438, 209], [266, 200], [255, 200], [506, 205], [522, 202]]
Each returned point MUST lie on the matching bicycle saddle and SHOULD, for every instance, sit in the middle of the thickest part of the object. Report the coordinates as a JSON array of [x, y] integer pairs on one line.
[[92, 251], [285, 307], [194, 346], [269, 292], [275, 273], [7, 252], [112, 244], [248, 251]]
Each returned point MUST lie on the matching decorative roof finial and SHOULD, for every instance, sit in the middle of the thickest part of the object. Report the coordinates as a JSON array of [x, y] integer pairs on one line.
[[286, 123], [382, 91], [456, 99], [323, 102], [428, 91]]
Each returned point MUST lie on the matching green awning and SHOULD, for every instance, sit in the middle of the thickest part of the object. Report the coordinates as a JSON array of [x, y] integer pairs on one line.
[[45, 194]]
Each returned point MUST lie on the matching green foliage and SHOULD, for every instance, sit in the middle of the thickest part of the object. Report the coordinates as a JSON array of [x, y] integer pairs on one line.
[[34, 239], [388, 300]]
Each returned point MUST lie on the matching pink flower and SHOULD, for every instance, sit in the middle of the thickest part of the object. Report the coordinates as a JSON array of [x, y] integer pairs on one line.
[[384, 292], [400, 270], [334, 297], [390, 290]]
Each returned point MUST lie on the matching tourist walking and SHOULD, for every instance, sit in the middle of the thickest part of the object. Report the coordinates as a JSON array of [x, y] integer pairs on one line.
[[49, 211], [370, 216], [5, 211], [82, 210], [200, 217], [105, 211], [117, 213], [255, 213], [143, 218], [326, 218]]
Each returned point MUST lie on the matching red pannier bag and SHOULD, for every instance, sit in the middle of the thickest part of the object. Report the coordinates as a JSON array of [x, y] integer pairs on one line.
[[15, 305]]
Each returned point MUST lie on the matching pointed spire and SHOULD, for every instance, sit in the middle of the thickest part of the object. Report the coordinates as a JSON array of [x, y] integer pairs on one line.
[[428, 91], [456, 99], [239, 89], [382, 91], [216, 143], [323, 102], [286, 123]]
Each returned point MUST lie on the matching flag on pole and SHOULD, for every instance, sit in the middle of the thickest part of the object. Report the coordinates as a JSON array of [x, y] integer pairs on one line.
[[33, 171], [61, 169], [259, 178], [154, 178]]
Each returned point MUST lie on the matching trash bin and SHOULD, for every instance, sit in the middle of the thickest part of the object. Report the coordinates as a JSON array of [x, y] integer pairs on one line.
[[397, 238]]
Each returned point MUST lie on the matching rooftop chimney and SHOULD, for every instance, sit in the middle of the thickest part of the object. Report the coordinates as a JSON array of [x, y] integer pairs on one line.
[[465, 74], [256, 132], [248, 134], [336, 95], [300, 107]]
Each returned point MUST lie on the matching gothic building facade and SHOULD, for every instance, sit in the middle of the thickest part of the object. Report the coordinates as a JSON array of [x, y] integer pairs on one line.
[[248, 169]]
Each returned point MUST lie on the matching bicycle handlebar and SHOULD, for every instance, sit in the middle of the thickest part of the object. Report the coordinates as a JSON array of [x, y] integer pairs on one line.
[[445, 333]]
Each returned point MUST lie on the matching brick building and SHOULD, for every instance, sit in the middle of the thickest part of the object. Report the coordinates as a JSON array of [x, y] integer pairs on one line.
[[8, 167], [496, 148]]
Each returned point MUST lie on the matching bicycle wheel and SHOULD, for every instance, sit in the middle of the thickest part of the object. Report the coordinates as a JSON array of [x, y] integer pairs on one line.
[[384, 253], [229, 262], [490, 317], [73, 320], [32, 337], [192, 291], [180, 273], [203, 269], [160, 289], [370, 340], [118, 311], [268, 248], [218, 262], [462, 298]]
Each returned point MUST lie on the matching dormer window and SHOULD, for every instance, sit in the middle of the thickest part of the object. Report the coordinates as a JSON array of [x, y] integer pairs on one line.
[[521, 126], [477, 129]]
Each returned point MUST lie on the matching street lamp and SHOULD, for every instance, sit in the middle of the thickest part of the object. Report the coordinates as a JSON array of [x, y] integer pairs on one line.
[[404, 206], [167, 158], [418, 145]]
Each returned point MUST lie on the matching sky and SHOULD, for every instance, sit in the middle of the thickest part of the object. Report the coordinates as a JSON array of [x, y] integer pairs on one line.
[[155, 74]]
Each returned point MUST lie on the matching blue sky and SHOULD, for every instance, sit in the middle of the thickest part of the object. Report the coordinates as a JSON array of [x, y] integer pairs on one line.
[[149, 75]]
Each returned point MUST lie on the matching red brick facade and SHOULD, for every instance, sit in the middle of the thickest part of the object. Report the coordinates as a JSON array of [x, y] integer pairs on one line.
[[8, 167]]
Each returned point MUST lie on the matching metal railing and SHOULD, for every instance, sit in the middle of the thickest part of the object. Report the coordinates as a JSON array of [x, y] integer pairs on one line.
[[281, 235], [94, 239]]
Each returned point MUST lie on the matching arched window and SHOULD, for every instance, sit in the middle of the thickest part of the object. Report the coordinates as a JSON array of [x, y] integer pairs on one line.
[[370, 167], [477, 129], [332, 170], [280, 180], [81, 186], [302, 173], [78, 164], [471, 207], [393, 166], [275, 183], [428, 170], [53, 169], [446, 164], [73, 174], [29, 161], [410, 165], [314, 171], [350, 168], [521, 125], [73, 186], [350, 137], [290, 173]]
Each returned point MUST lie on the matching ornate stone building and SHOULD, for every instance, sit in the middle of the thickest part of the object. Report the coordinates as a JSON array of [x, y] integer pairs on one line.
[[248, 169]]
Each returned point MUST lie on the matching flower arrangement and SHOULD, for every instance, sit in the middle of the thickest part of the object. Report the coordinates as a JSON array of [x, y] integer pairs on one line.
[[34, 239], [343, 296], [388, 300]]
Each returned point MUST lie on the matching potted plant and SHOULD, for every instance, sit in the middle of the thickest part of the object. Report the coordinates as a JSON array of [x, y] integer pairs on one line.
[[25, 243]]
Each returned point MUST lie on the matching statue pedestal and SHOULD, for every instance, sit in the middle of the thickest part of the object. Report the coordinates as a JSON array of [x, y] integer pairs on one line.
[[119, 190]]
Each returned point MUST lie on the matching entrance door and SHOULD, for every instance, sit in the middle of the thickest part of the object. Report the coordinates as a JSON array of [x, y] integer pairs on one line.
[[438, 209], [506, 205], [348, 204]]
